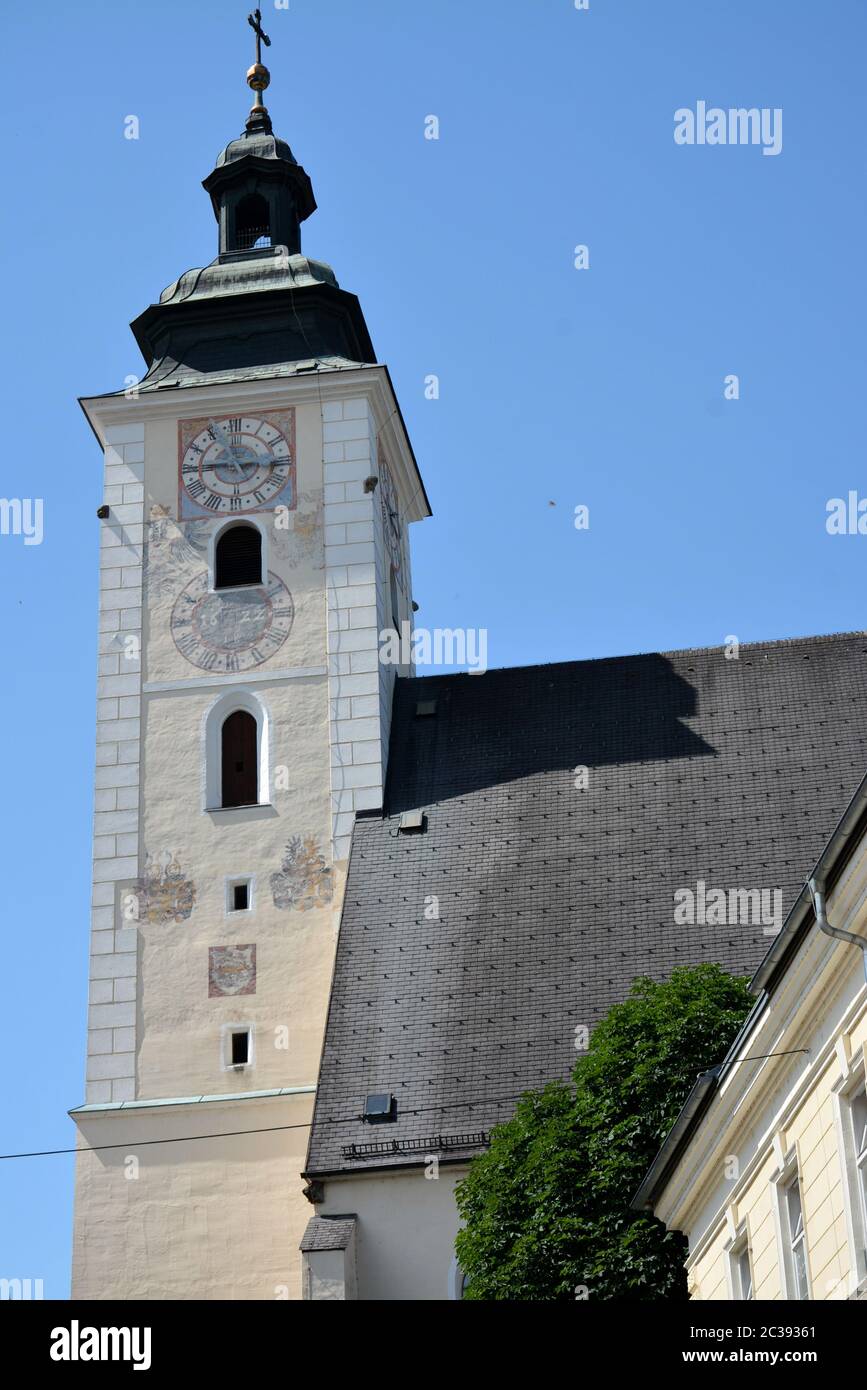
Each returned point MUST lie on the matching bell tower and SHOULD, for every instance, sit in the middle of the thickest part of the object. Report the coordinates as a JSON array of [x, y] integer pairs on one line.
[[259, 484], [259, 193]]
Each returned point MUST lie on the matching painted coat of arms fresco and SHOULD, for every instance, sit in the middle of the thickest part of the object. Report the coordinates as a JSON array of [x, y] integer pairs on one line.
[[304, 879], [231, 970], [163, 893], [303, 543]]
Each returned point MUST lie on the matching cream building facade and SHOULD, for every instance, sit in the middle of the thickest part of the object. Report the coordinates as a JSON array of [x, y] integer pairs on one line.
[[264, 433], [765, 1170]]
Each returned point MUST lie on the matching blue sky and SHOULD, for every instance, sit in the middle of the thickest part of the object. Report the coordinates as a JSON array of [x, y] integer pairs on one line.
[[601, 387]]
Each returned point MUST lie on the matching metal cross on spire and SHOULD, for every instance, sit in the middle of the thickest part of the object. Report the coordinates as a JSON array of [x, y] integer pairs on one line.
[[255, 22], [258, 77]]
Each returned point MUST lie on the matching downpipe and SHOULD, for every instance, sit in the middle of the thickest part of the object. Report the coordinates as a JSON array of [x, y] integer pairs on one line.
[[816, 886]]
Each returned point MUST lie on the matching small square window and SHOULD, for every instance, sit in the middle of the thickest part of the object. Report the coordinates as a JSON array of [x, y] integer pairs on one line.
[[239, 895], [379, 1108]]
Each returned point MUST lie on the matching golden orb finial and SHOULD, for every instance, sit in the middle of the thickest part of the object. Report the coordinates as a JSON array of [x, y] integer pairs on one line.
[[258, 77]]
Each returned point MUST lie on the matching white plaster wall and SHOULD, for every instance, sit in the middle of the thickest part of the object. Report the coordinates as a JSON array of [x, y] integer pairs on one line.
[[180, 1024], [405, 1237], [212, 1219], [326, 1276]]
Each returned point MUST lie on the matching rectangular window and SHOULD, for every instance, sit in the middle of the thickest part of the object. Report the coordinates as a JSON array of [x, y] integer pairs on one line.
[[240, 1049], [858, 1114], [743, 1280], [239, 895], [740, 1270], [795, 1239]]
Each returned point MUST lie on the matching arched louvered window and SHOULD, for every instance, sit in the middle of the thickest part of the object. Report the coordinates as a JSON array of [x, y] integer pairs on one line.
[[238, 557], [240, 772], [252, 223]]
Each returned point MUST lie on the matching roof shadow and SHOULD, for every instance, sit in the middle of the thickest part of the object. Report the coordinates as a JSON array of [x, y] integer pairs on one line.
[[516, 722]]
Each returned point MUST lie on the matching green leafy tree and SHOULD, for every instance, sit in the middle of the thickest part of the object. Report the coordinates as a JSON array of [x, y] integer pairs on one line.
[[546, 1208]]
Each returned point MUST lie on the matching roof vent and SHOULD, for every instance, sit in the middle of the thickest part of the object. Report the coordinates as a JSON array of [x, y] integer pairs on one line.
[[425, 708], [412, 822], [379, 1109]]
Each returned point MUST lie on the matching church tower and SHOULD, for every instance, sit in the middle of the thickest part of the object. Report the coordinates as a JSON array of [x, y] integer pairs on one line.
[[258, 487]]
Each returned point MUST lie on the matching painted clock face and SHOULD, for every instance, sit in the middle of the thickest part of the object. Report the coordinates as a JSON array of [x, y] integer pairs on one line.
[[231, 629], [390, 516], [236, 464]]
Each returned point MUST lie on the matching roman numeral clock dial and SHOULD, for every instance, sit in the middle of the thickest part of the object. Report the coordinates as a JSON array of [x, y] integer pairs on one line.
[[390, 515], [231, 630], [232, 465]]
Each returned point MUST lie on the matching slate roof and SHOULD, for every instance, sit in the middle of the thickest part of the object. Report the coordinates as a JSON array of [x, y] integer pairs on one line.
[[551, 899], [327, 1233]]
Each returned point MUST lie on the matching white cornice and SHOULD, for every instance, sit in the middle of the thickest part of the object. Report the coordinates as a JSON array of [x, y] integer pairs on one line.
[[247, 678], [115, 408], [174, 1103], [372, 382]]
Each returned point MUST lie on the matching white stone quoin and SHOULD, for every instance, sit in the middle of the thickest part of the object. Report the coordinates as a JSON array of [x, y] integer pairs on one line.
[[113, 968]]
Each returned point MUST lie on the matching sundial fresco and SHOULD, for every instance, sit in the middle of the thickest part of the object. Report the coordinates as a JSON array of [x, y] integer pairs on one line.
[[230, 630]]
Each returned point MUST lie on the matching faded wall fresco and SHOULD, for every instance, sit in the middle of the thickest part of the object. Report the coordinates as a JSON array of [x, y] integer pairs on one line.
[[231, 970], [163, 892], [305, 879]]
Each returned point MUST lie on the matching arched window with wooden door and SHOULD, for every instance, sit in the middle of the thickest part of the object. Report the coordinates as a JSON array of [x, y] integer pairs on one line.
[[238, 557], [240, 760]]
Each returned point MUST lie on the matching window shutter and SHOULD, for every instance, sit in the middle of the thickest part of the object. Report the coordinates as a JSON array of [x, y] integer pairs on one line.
[[240, 770], [239, 558]]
